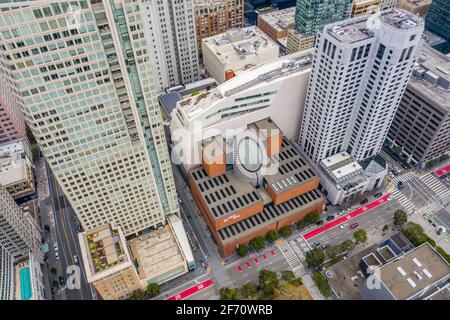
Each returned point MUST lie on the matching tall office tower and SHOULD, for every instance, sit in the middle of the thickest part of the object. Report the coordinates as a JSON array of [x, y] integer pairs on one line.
[[421, 125], [6, 274], [360, 70], [217, 16], [83, 73], [438, 22], [312, 15], [12, 125], [19, 233], [170, 33], [387, 4]]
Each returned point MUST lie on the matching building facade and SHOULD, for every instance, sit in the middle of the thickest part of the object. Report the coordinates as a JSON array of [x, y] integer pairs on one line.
[[361, 68], [276, 24], [420, 7], [217, 16], [19, 233], [171, 40], [12, 125], [83, 75], [421, 125], [6, 274], [438, 22], [362, 7]]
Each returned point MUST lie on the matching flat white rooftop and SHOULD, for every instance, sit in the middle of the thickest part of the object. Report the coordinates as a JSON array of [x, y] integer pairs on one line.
[[341, 165], [279, 20], [11, 147]]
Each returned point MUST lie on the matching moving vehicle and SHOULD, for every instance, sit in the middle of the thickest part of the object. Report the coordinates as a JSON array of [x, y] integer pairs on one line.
[[55, 246], [364, 201], [400, 185], [75, 259], [344, 225], [319, 223], [330, 217], [377, 195], [62, 281], [56, 255], [354, 225], [389, 198]]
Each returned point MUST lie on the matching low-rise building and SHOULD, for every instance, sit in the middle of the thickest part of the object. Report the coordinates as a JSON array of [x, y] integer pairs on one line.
[[277, 23], [345, 180], [275, 89], [226, 55], [421, 125], [413, 275], [362, 7], [297, 41], [250, 182]]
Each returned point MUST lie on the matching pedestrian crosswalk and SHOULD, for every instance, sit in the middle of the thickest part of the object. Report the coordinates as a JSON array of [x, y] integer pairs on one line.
[[290, 256], [431, 208], [437, 186], [405, 202], [403, 177]]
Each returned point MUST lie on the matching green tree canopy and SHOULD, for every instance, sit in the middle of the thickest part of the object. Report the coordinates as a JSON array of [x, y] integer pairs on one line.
[[268, 281], [332, 251], [242, 250], [285, 231], [258, 243], [287, 275], [347, 245], [400, 217], [272, 235], [153, 289], [322, 284], [313, 217], [228, 293], [360, 236], [414, 233], [249, 291], [138, 294], [314, 258]]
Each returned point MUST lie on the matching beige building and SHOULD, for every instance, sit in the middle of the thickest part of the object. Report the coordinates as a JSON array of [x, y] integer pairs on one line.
[[277, 23], [107, 262], [362, 7], [415, 6], [296, 41], [227, 54]]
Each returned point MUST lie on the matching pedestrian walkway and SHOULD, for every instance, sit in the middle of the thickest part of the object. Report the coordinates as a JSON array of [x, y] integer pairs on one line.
[[435, 185], [290, 256], [405, 202], [403, 177], [432, 208]]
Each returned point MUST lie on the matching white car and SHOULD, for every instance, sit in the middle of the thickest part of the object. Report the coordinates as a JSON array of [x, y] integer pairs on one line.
[[57, 255], [343, 226], [389, 198], [55, 246]]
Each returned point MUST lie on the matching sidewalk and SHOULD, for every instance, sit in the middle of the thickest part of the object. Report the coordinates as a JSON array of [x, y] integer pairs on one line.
[[309, 283], [430, 231]]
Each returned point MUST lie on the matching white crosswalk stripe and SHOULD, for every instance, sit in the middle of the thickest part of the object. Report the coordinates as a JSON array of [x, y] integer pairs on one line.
[[431, 208], [403, 177], [437, 186], [290, 256], [405, 202]]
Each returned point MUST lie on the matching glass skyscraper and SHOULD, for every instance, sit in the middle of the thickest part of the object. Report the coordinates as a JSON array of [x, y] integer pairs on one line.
[[438, 22], [82, 74]]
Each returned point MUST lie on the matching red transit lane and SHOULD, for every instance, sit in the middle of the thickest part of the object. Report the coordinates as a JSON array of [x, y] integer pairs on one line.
[[346, 217], [192, 290], [442, 171]]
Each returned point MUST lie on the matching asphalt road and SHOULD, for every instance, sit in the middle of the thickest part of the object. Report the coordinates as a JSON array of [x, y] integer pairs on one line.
[[65, 234]]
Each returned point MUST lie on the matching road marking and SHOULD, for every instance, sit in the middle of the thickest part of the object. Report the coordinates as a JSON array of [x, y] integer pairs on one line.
[[290, 256], [405, 202], [435, 185], [192, 290]]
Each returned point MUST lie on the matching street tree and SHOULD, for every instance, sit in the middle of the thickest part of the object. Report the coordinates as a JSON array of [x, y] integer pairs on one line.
[[414, 233], [332, 251], [138, 294], [153, 289], [228, 293], [268, 281], [285, 231], [400, 217], [272, 235], [347, 245], [53, 270], [249, 291], [287, 275], [242, 250], [258, 243], [313, 217], [314, 258], [360, 236]]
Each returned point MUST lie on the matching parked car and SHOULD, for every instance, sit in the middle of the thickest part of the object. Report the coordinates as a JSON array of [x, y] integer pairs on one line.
[[354, 225], [319, 223], [344, 225], [364, 201], [377, 195], [75, 259], [62, 281], [55, 246], [316, 244], [330, 217]]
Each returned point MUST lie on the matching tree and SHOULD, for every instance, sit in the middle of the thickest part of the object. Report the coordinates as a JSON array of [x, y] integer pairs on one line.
[[360, 236], [138, 294], [414, 233], [268, 281], [228, 293], [322, 284], [153, 289], [302, 224], [258, 243], [332, 251], [285, 231], [385, 228], [272, 235], [242, 250], [296, 282], [249, 291], [347, 245], [400, 217], [313, 217], [314, 258], [287, 275], [53, 270]]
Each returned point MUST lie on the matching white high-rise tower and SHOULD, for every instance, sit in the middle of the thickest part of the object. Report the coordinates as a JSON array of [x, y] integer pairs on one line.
[[360, 70]]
